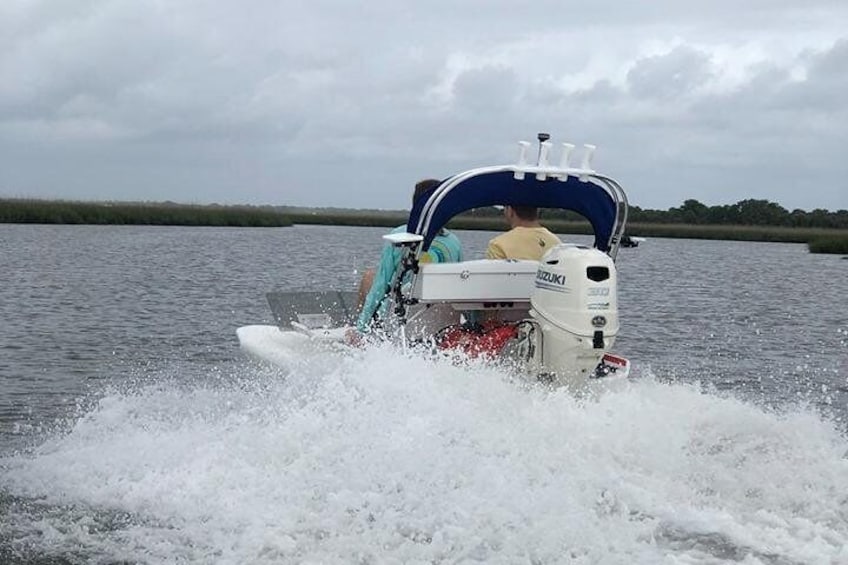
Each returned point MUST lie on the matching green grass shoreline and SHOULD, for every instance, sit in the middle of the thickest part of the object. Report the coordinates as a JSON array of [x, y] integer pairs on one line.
[[19, 211], [24, 211]]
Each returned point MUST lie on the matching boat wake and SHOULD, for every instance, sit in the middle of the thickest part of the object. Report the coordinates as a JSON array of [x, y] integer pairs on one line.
[[385, 457]]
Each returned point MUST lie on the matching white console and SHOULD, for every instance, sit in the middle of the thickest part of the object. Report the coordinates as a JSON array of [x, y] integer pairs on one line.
[[483, 280]]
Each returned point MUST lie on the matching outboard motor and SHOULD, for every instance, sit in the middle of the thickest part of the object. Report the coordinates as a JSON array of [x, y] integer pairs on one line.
[[575, 305]]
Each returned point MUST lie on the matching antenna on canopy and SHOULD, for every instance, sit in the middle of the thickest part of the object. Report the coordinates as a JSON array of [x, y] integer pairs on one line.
[[542, 137]]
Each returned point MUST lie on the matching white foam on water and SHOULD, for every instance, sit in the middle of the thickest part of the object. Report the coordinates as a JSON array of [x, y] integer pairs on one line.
[[382, 457]]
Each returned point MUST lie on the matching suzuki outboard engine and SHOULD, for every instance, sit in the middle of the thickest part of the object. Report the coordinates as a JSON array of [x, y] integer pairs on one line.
[[575, 306]]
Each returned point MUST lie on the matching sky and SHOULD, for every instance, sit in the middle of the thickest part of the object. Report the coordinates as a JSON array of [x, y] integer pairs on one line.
[[348, 104]]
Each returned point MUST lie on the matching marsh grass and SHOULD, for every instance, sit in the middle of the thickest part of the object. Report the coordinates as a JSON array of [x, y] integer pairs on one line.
[[22, 211], [829, 244], [819, 240]]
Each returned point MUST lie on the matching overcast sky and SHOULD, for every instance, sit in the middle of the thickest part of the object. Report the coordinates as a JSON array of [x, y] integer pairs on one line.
[[331, 103]]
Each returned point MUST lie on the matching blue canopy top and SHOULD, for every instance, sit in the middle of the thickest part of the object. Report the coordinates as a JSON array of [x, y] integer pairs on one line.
[[598, 199]]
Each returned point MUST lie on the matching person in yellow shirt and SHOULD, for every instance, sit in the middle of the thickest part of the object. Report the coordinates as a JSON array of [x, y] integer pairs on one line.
[[527, 238]]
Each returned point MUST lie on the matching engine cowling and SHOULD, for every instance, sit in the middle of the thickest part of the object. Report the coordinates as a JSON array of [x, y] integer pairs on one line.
[[575, 302]]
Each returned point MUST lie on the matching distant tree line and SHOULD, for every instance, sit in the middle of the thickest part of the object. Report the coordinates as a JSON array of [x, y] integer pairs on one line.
[[748, 212], [744, 213]]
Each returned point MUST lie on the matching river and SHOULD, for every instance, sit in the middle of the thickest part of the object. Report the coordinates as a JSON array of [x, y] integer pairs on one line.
[[134, 430]]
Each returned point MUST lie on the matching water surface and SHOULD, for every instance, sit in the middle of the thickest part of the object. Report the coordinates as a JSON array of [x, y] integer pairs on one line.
[[133, 430]]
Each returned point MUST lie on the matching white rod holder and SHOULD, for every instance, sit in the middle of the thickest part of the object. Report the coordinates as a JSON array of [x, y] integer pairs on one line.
[[523, 146], [588, 151], [544, 151], [567, 148]]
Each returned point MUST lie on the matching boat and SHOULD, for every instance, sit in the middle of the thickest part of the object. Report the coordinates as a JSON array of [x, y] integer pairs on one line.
[[631, 240], [554, 320]]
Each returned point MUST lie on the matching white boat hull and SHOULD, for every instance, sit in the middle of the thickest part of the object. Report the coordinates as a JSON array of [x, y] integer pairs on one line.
[[283, 348], [286, 348]]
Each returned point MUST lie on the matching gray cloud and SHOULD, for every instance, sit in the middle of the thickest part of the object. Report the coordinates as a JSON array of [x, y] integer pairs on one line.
[[676, 74], [333, 103]]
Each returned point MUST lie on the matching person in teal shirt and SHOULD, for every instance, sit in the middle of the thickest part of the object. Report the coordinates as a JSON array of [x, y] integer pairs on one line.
[[445, 248]]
